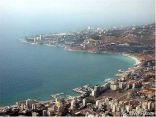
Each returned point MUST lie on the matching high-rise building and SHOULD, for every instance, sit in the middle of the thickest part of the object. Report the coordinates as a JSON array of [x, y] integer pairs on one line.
[[29, 103], [84, 102], [41, 37], [73, 104]]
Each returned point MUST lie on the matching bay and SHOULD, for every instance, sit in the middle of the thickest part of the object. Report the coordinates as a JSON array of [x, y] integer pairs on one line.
[[37, 71]]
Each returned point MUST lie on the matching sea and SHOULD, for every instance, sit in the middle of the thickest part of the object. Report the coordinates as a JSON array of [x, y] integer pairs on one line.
[[37, 71]]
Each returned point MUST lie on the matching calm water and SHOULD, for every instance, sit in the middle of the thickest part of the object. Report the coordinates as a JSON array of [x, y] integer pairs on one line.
[[28, 71], [36, 71]]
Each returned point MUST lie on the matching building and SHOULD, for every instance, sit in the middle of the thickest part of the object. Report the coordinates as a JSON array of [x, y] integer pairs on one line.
[[35, 114], [44, 112], [41, 37], [73, 104], [59, 103], [84, 102], [97, 103], [114, 87]]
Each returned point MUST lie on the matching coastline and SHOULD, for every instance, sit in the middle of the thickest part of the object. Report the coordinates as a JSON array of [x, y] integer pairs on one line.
[[137, 61], [135, 58], [131, 56], [114, 75]]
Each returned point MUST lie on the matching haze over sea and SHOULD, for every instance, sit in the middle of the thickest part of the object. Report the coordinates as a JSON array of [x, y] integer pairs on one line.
[[28, 71]]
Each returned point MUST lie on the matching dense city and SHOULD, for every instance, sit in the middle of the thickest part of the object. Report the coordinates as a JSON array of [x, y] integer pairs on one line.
[[129, 93]]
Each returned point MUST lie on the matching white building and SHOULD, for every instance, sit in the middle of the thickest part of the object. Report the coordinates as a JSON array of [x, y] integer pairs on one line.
[[114, 87], [84, 102], [73, 104]]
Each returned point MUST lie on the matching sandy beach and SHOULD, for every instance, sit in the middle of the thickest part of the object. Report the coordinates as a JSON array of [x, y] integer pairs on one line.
[[137, 60]]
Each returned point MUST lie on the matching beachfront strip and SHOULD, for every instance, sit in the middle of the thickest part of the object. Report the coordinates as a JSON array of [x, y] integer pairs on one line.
[[130, 93]]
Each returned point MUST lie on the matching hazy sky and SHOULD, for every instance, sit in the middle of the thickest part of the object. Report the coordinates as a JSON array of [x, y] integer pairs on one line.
[[76, 12]]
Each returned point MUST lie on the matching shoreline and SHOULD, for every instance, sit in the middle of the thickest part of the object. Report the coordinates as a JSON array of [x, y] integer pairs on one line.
[[137, 62], [135, 58]]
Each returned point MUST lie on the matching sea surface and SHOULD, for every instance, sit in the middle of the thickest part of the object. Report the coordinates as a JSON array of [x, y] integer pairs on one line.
[[37, 71]]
